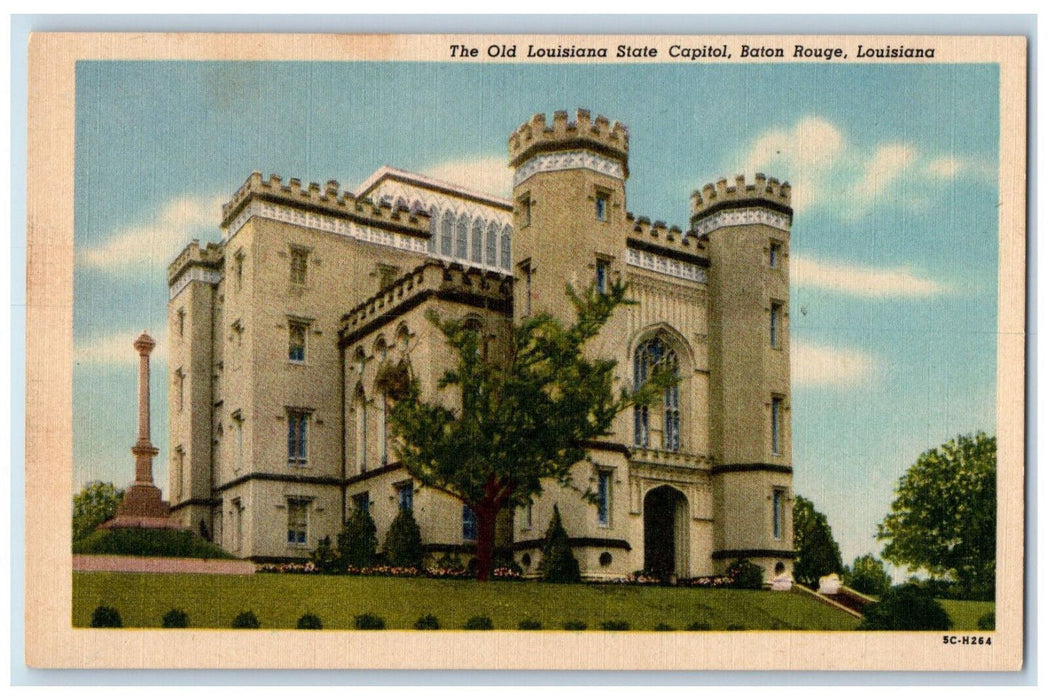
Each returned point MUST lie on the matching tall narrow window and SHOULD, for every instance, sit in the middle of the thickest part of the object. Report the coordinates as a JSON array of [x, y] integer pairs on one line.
[[361, 410], [774, 252], [604, 498], [528, 515], [447, 232], [238, 428], [527, 290], [775, 322], [602, 206], [298, 521], [296, 344], [238, 269], [362, 502], [469, 524], [491, 245], [462, 238], [297, 425], [383, 455], [405, 496], [237, 514], [602, 277], [776, 425], [181, 322], [778, 500], [180, 388], [431, 244], [507, 254], [299, 265], [476, 250], [177, 466], [649, 355], [671, 417], [524, 207]]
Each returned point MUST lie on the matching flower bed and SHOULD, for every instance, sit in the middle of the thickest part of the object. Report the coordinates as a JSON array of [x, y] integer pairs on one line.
[[383, 570]]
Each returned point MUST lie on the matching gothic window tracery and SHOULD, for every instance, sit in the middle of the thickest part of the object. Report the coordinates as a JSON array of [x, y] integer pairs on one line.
[[649, 355]]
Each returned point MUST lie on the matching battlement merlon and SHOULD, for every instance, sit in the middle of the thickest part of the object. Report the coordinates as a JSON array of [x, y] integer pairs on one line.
[[762, 192], [329, 199], [448, 280], [599, 134], [195, 255], [641, 229]]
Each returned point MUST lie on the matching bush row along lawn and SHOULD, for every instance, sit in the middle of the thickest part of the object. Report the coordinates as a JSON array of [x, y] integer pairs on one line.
[[279, 600], [965, 614]]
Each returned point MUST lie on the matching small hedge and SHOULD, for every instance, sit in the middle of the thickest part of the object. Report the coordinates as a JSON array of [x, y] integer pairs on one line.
[[988, 622], [663, 627], [309, 621], [368, 621], [574, 625], [245, 621], [699, 626], [175, 618], [614, 625], [479, 622], [142, 542], [427, 622], [908, 607], [746, 574], [104, 616], [529, 624]]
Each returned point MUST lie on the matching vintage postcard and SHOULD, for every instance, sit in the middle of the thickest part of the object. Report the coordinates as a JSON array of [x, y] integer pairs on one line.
[[525, 352]]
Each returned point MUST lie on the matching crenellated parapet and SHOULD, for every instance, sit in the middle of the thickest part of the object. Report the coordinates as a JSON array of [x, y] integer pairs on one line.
[[193, 255], [642, 229], [434, 279], [764, 201], [599, 134], [329, 200]]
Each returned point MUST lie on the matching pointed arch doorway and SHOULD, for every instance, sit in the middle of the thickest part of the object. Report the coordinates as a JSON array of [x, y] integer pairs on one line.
[[666, 532]]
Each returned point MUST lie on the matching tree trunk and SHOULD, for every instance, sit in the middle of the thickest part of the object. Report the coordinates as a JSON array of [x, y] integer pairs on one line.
[[485, 514]]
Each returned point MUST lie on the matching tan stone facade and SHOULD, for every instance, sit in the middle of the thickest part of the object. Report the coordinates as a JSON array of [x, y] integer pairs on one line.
[[280, 334]]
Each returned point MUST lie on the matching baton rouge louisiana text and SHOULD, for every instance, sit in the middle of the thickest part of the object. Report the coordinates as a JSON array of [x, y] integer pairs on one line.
[[694, 52]]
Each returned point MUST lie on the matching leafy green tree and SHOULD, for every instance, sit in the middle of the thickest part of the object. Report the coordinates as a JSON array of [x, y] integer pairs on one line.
[[513, 423], [404, 541], [94, 505], [944, 517], [868, 575], [558, 564], [817, 551], [357, 542], [906, 607]]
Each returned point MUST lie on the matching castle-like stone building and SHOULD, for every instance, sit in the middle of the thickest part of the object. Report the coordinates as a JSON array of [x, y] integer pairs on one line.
[[281, 332]]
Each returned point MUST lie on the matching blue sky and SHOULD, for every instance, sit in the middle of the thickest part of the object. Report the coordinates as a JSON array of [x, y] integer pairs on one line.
[[893, 250]]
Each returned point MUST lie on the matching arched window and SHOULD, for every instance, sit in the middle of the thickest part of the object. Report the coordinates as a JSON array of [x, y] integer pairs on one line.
[[360, 408], [461, 238], [492, 245], [431, 244], [650, 354], [447, 226], [476, 249], [507, 255]]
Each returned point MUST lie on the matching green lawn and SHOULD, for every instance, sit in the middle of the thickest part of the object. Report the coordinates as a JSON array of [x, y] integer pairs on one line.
[[965, 614], [279, 600]]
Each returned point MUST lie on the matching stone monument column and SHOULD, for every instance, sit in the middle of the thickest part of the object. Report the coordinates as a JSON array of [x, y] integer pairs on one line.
[[143, 449]]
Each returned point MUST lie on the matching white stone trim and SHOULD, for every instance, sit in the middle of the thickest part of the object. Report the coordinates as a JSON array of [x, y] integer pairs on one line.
[[743, 217], [194, 274], [666, 265], [567, 160], [414, 196]]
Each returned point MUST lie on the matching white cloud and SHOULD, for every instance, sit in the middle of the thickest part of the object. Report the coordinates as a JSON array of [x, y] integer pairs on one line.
[[824, 366], [155, 242], [946, 167], [887, 165], [487, 174], [857, 280], [118, 348]]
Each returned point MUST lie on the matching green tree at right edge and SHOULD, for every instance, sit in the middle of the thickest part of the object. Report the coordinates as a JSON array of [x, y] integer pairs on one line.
[[817, 552]]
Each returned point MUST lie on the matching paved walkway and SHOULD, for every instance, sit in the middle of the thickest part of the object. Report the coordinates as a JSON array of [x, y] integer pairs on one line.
[[160, 565]]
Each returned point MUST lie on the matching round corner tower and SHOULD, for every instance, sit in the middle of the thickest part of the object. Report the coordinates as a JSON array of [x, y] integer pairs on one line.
[[569, 206], [748, 227]]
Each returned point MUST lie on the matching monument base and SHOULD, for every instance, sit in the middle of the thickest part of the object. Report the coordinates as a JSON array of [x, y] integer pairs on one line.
[[142, 507]]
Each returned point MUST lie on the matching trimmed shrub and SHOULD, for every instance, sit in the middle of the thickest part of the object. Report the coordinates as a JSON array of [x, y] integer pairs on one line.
[[735, 628], [529, 624], [907, 607], [368, 621], [427, 622], [479, 622], [559, 564], [404, 541], [104, 616], [175, 618], [988, 622], [324, 557], [245, 621], [149, 543], [575, 625], [746, 574], [309, 621], [614, 625], [663, 627], [699, 626], [357, 542]]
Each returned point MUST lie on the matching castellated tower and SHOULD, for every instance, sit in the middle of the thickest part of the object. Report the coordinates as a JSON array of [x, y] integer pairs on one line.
[[569, 206], [748, 227]]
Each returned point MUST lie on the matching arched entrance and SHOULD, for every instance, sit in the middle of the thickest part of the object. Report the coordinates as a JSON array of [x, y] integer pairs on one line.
[[666, 532]]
